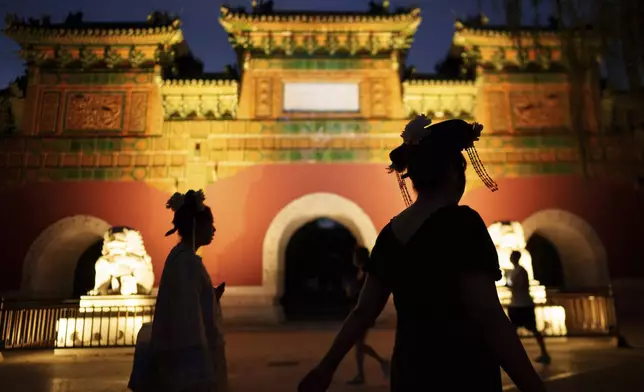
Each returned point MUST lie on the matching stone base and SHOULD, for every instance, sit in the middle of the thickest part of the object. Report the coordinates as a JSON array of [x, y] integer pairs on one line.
[[129, 301]]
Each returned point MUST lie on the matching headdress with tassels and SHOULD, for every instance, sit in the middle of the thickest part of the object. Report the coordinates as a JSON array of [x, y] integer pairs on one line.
[[453, 134], [177, 201]]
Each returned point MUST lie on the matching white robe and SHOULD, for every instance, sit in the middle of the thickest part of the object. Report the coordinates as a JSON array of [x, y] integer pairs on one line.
[[186, 348]]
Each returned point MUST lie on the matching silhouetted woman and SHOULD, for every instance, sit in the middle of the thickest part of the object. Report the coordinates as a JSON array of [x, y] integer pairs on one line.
[[186, 349], [438, 260], [360, 259]]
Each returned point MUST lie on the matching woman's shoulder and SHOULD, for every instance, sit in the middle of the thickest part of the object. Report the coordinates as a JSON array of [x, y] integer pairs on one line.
[[462, 215]]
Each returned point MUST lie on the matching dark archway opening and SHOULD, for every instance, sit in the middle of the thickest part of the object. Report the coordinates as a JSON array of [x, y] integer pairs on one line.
[[318, 267], [85, 273], [546, 262]]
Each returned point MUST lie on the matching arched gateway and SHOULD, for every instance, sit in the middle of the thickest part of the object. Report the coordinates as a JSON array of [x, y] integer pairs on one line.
[[287, 221], [295, 215], [583, 256], [48, 270]]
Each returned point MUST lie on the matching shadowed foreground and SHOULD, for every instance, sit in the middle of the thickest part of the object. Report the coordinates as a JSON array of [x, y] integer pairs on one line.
[[275, 361]]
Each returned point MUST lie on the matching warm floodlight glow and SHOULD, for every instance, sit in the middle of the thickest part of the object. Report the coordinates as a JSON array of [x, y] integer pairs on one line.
[[321, 97], [509, 237]]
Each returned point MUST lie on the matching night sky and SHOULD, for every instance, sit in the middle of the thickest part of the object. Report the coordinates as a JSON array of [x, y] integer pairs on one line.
[[208, 40]]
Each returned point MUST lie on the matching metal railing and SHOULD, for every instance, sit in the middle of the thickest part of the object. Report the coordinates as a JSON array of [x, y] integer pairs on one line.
[[587, 314], [49, 325], [30, 325]]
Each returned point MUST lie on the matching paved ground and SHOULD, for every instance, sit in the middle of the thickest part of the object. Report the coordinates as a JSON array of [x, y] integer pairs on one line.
[[275, 360]]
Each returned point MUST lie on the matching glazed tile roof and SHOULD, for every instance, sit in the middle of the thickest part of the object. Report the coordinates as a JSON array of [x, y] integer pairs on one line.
[[357, 20], [93, 32]]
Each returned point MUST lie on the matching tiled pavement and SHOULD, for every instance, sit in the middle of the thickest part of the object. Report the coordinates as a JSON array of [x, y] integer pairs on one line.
[[275, 360]]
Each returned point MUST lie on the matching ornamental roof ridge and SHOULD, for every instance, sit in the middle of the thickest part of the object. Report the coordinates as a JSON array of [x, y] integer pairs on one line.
[[439, 82], [38, 31], [236, 14], [503, 31], [198, 82]]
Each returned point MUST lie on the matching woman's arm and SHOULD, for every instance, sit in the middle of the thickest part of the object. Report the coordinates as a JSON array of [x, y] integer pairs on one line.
[[481, 301], [373, 299]]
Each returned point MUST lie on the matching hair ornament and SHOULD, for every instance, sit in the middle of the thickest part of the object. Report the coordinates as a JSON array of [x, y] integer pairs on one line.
[[175, 202], [200, 198], [456, 134], [416, 130]]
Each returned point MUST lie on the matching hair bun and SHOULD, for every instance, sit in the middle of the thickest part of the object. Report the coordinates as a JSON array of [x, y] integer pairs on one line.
[[399, 158], [175, 202]]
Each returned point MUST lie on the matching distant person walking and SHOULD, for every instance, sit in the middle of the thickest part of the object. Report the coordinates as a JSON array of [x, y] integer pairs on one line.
[[360, 259], [521, 309]]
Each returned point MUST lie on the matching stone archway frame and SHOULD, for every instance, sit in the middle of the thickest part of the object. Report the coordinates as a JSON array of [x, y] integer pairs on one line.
[[49, 266], [263, 301], [583, 256]]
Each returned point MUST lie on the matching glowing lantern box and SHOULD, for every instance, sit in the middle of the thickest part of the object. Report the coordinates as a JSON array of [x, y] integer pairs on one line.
[[509, 237], [105, 321]]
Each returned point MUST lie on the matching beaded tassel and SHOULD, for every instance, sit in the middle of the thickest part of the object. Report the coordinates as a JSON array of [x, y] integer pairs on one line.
[[403, 189], [480, 169]]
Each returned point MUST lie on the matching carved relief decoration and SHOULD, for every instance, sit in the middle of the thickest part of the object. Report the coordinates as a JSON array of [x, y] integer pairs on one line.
[[539, 109], [439, 99], [138, 112], [378, 98], [498, 110], [263, 97], [49, 112], [94, 112]]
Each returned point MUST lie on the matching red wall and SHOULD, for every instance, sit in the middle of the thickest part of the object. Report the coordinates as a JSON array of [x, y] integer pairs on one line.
[[245, 204]]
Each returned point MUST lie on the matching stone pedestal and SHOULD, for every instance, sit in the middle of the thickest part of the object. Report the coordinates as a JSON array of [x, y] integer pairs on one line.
[[105, 321]]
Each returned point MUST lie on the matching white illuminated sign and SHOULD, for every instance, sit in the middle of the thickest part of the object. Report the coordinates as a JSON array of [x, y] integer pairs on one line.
[[321, 97]]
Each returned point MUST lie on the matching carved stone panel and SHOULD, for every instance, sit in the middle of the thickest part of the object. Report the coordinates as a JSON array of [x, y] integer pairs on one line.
[[49, 106], [94, 111], [498, 110], [378, 98], [539, 109], [138, 112], [263, 95]]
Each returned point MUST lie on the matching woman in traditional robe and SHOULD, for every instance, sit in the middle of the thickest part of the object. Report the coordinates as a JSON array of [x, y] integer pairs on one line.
[[186, 349], [439, 262]]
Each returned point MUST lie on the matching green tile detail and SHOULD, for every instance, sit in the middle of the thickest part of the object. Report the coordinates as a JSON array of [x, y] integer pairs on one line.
[[323, 126], [71, 174], [56, 145], [108, 145], [87, 174], [113, 174], [56, 175], [295, 155], [134, 144], [316, 64], [98, 174], [98, 78], [519, 78], [536, 142]]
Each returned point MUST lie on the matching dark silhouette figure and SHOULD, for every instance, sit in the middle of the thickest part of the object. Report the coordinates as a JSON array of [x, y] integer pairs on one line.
[[360, 259], [439, 262], [521, 309]]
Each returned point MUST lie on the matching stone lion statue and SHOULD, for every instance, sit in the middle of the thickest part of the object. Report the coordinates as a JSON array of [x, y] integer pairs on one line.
[[124, 268]]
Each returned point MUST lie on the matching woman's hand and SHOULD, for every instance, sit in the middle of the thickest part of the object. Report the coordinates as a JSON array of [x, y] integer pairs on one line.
[[317, 380]]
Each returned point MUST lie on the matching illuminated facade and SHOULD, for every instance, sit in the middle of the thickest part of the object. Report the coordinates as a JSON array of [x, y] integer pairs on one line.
[[105, 127]]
